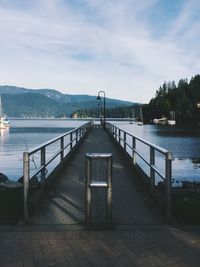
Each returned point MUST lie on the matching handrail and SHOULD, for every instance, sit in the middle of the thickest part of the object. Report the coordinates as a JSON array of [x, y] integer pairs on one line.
[[75, 137], [121, 137], [35, 149]]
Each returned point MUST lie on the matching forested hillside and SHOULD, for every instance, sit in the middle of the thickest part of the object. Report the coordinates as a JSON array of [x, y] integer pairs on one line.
[[181, 98]]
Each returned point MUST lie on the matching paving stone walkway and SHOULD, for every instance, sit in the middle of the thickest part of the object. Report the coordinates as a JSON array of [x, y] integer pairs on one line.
[[146, 246]]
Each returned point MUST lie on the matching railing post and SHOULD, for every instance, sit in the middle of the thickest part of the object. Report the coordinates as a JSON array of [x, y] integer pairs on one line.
[[78, 130], [88, 193], [76, 136], [125, 141], [119, 136], [81, 132], [152, 163], [43, 161], [109, 194], [115, 132], [168, 175], [26, 174], [61, 148], [71, 144], [133, 150]]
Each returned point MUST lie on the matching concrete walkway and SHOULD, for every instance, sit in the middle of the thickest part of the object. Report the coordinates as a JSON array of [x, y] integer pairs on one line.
[[65, 203]]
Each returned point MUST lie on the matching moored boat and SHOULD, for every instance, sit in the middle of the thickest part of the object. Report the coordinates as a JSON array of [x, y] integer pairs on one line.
[[4, 122], [172, 121]]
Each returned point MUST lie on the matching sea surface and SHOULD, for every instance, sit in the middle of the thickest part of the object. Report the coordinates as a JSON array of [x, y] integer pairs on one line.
[[24, 134], [182, 142]]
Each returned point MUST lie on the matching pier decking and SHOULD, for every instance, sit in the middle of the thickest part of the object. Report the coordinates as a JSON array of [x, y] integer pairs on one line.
[[139, 236], [65, 203]]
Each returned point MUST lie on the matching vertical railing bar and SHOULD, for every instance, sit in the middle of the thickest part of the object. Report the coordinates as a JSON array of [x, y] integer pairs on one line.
[[71, 142], [168, 175], [109, 193], [26, 175], [133, 150], [125, 141], [152, 171], [61, 148], [76, 135], [88, 193], [42, 162]]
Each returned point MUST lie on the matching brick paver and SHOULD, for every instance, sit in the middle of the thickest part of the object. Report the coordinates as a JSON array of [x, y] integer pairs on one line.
[[143, 247]]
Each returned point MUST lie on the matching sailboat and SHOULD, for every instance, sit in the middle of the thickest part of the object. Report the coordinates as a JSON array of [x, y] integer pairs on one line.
[[140, 122], [4, 122], [132, 120], [172, 121]]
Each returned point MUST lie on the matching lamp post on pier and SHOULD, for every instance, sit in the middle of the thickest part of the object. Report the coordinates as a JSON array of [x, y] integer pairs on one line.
[[100, 104], [104, 106]]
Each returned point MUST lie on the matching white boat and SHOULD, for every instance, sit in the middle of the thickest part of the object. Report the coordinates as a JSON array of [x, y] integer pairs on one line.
[[4, 122], [2, 125], [172, 121], [162, 121]]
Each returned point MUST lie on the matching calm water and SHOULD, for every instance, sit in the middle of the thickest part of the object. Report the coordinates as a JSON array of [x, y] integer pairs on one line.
[[184, 143], [24, 135]]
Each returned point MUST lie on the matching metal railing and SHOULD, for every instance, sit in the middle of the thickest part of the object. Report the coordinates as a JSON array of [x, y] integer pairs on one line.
[[74, 136], [121, 137]]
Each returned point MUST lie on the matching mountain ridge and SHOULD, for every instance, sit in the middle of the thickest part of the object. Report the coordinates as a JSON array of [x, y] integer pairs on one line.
[[48, 102]]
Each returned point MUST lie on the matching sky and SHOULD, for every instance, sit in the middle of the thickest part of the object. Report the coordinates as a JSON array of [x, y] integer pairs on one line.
[[127, 48]]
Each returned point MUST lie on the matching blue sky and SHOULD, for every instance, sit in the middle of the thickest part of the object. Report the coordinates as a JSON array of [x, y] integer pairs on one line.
[[127, 48]]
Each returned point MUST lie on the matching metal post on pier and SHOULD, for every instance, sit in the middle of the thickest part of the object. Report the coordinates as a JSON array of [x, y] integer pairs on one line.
[[125, 141], [43, 161], [26, 173], [91, 183], [115, 132], [168, 175], [152, 164], [76, 136], [119, 136], [133, 150], [61, 149], [71, 144]]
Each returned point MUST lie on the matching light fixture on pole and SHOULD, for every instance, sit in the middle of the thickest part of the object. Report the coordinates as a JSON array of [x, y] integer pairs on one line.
[[104, 106]]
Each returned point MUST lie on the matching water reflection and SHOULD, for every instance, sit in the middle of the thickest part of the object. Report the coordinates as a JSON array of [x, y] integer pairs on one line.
[[24, 135], [4, 134], [184, 143]]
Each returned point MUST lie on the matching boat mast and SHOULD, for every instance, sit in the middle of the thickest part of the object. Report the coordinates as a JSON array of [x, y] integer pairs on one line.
[[1, 109], [141, 115]]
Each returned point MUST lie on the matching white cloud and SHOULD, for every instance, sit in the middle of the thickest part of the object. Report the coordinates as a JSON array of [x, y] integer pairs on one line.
[[96, 45]]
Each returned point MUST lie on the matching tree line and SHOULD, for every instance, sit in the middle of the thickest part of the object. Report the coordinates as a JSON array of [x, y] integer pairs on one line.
[[182, 99]]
